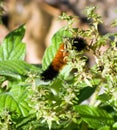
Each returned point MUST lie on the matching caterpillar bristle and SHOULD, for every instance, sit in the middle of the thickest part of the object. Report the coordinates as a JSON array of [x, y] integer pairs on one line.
[[49, 73], [79, 43]]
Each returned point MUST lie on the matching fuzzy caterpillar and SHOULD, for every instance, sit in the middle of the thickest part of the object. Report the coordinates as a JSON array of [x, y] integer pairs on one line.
[[59, 61]]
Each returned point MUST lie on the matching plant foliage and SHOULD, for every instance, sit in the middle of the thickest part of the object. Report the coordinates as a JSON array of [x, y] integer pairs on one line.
[[82, 97]]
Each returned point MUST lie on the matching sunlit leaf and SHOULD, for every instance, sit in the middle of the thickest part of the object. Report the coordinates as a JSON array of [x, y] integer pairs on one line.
[[15, 101], [93, 116], [15, 68], [12, 47]]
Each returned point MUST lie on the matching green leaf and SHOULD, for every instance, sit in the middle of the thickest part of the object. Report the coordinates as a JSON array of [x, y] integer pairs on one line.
[[85, 93], [56, 87], [104, 128], [50, 52], [20, 94], [26, 120], [93, 116], [15, 68], [8, 102], [115, 125], [15, 101], [65, 72], [12, 47], [104, 97]]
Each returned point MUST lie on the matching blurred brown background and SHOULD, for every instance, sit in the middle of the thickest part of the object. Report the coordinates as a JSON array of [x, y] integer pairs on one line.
[[41, 19]]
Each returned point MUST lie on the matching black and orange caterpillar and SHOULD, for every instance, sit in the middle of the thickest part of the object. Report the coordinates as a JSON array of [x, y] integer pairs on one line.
[[59, 61]]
